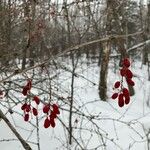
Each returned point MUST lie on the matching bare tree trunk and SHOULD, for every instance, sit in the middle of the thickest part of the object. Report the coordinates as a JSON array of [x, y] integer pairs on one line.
[[145, 50], [104, 71], [148, 36], [105, 56], [144, 26], [24, 51], [31, 27]]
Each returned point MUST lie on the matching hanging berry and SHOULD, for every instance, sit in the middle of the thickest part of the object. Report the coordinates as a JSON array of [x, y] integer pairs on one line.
[[47, 123], [117, 84], [26, 117], [36, 99], [114, 96], [27, 88], [35, 112]]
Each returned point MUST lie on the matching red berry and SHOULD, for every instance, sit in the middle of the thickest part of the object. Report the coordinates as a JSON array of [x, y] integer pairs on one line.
[[125, 92], [114, 96], [29, 84], [24, 106], [52, 115], [123, 72], [35, 112], [58, 112], [52, 122], [46, 108], [47, 123], [120, 100], [36, 99], [25, 90], [126, 62], [130, 82], [55, 109], [28, 108], [117, 84], [55, 106], [26, 117], [129, 74], [127, 99]]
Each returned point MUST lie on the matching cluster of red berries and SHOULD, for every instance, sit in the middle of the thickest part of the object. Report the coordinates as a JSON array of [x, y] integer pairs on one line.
[[123, 94], [28, 108], [51, 110]]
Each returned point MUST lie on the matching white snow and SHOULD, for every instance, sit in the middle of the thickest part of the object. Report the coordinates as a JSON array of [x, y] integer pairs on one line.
[[118, 128]]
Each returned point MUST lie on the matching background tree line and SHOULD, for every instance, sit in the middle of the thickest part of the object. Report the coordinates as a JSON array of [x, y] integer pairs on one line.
[[34, 30]]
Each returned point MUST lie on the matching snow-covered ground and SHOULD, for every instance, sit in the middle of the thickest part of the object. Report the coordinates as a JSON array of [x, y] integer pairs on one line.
[[110, 127]]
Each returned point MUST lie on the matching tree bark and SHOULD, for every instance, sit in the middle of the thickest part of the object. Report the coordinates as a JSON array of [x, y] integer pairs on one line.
[[145, 28], [105, 55], [104, 71]]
